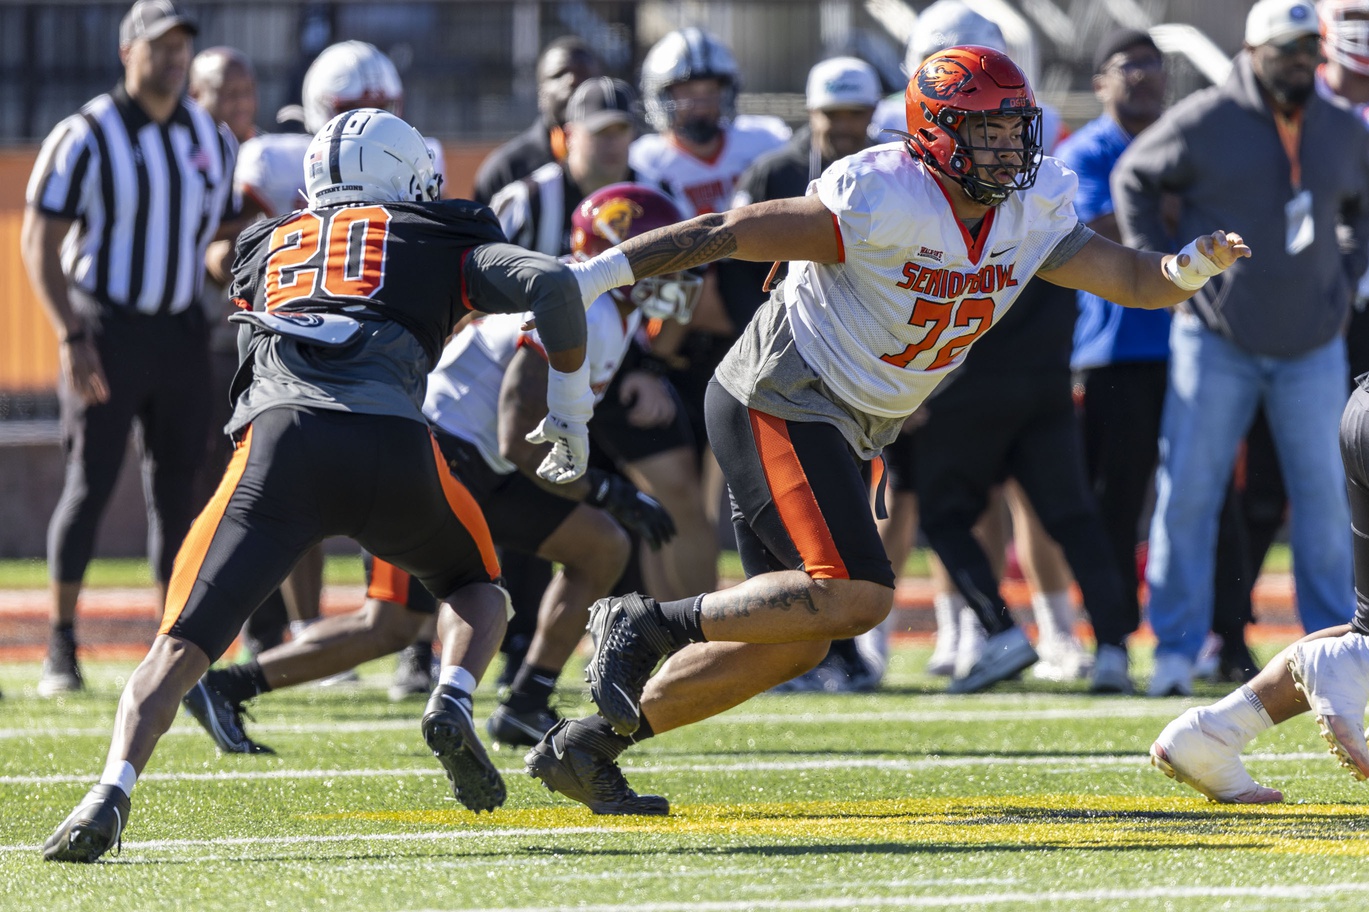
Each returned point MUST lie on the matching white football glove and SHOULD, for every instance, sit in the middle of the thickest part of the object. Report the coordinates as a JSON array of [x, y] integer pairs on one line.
[[569, 456], [570, 405]]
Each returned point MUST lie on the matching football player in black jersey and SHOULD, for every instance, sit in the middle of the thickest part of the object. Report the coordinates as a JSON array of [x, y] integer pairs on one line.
[[348, 303]]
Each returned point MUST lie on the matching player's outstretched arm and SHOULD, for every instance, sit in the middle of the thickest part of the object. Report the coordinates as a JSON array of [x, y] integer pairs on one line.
[[1140, 278], [799, 228]]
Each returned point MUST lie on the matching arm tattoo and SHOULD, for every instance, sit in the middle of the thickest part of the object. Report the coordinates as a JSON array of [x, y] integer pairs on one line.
[[675, 247], [781, 598]]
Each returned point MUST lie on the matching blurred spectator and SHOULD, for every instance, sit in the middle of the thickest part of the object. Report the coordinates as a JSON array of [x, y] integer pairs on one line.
[[1121, 354], [1268, 331], [562, 66]]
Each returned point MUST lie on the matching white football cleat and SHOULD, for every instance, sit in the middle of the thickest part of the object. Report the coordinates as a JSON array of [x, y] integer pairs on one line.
[[1191, 750], [1333, 674]]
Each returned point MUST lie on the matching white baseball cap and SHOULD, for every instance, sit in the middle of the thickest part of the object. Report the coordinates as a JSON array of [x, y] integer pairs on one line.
[[1280, 20], [842, 82]]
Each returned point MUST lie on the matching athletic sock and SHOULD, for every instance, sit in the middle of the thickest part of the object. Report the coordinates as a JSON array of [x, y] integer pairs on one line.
[[120, 773], [1240, 716], [239, 683], [1055, 614], [683, 619], [531, 688]]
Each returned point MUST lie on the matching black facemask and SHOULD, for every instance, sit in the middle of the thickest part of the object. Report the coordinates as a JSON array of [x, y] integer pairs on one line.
[[699, 131]]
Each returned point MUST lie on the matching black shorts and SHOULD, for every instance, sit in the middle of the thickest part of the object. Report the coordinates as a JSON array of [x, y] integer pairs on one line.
[[623, 442], [800, 495], [300, 476], [387, 583], [1354, 451], [519, 513]]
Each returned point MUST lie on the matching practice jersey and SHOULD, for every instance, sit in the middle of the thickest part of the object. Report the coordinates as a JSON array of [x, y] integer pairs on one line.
[[270, 170], [398, 269], [910, 294], [463, 391], [701, 185]]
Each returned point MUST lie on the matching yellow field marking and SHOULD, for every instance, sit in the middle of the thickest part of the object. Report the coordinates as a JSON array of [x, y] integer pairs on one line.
[[1058, 821]]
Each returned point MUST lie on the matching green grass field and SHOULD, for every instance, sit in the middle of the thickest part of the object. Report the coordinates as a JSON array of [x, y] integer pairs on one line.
[[1037, 796]]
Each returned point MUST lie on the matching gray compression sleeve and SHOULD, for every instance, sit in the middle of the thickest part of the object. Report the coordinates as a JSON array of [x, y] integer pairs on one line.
[[503, 278]]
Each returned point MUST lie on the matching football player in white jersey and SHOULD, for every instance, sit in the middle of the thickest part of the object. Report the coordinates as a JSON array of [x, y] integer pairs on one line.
[[690, 83], [900, 257], [347, 75]]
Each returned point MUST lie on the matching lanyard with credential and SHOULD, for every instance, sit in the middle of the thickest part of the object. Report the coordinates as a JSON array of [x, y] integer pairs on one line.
[[1298, 228]]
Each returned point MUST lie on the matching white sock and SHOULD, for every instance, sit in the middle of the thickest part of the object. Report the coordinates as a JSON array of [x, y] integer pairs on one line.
[[1242, 715], [458, 677], [947, 607], [1055, 614], [120, 773]]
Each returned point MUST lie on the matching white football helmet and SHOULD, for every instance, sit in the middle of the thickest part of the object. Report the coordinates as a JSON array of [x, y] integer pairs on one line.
[[351, 74], [1345, 33], [949, 23], [368, 156], [690, 53]]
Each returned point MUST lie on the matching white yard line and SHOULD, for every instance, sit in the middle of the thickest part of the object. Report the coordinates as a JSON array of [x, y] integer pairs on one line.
[[1132, 709], [964, 900], [896, 764]]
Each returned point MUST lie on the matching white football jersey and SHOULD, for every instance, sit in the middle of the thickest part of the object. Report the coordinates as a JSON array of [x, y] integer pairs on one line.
[[698, 185], [463, 390], [270, 169], [913, 290]]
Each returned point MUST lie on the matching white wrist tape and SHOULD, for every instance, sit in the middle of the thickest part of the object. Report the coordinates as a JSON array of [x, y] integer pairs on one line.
[[569, 396], [601, 273], [1195, 274]]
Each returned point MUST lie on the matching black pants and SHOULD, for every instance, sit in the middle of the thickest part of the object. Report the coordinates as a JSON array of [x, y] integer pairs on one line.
[[983, 429], [156, 368]]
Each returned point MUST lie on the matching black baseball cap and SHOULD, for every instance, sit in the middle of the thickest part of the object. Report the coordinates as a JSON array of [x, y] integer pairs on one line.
[[152, 19], [1119, 40], [601, 101]]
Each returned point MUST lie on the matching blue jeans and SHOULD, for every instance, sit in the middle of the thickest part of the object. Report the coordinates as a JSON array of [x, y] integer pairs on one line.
[[1214, 388]]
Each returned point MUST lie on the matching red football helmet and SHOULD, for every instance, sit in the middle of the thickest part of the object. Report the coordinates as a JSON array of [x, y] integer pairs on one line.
[[611, 215], [1345, 33], [950, 99]]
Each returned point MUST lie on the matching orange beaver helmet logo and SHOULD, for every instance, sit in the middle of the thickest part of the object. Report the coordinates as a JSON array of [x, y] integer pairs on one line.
[[613, 220], [942, 78]]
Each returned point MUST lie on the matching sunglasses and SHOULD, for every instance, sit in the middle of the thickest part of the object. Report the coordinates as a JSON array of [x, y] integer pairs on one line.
[[1307, 44]]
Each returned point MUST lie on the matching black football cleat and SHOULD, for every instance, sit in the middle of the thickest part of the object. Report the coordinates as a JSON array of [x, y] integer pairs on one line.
[[449, 732], [96, 826], [509, 727], [628, 644], [591, 779], [222, 719]]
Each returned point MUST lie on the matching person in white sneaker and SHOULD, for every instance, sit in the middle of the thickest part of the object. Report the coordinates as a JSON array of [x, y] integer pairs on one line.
[[1326, 672]]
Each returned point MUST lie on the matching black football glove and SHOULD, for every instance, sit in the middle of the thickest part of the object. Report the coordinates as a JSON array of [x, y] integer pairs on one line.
[[639, 513]]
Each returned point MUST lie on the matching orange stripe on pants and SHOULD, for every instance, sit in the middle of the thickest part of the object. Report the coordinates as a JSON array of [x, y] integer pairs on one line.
[[388, 583], [190, 558], [794, 499], [466, 510]]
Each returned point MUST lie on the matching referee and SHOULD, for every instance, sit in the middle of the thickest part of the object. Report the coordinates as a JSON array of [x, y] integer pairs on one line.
[[124, 198]]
